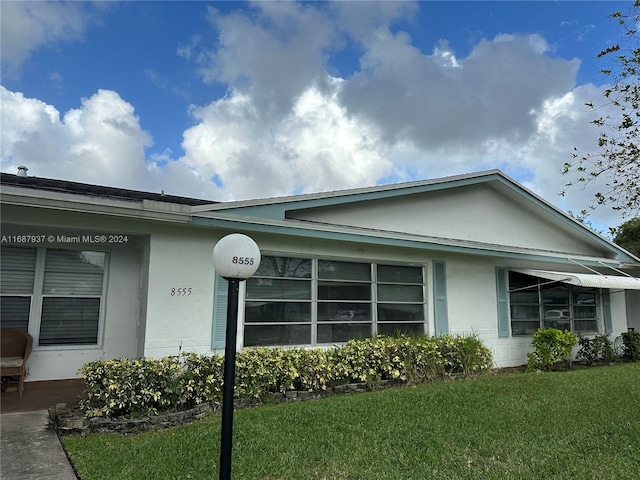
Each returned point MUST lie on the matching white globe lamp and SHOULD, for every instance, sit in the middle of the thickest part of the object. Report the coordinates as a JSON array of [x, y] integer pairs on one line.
[[235, 257]]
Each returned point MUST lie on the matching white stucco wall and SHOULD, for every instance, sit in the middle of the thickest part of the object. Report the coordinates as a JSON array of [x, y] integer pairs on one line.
[[476, 212], [179, 258]]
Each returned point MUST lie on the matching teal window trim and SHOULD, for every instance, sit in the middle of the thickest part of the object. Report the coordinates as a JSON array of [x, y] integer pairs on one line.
[[441, 315], [219, 323], [606, 311], [502, 297]]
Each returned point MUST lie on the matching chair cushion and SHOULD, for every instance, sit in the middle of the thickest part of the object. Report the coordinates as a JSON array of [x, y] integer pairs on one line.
[[9, 362]]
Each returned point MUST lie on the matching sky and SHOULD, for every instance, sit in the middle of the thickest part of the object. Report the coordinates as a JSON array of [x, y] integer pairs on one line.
[[239, 100]]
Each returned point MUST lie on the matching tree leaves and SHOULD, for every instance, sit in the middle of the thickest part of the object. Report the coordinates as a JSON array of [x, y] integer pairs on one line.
[[618, 161]]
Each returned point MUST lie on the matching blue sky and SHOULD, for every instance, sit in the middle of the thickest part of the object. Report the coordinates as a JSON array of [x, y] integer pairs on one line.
[[232, 100]]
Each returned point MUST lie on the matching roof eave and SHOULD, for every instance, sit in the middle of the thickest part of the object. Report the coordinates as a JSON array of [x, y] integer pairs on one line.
[[393, 239]]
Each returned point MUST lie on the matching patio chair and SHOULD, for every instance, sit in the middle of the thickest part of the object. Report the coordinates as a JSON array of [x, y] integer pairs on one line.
[[15, 349]]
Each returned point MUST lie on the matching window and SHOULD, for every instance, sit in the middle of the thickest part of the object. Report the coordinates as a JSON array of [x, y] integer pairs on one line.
[[296, 301], [277, 309], [344, 301], [17, 273], [56, 295], [400, 299], [537, 303]]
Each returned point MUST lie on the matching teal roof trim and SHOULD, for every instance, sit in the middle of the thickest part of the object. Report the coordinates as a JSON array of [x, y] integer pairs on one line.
[[298, 231], [276, 209]]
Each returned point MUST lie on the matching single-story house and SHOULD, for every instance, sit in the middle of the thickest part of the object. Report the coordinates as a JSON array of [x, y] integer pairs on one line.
[[95, 272]]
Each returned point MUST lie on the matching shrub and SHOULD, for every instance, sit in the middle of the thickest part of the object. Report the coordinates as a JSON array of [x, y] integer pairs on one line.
[[551, 346], [465, 355], [421, 358], [201, 380], [318, 369], [146, 386], [371, 360], [262, 370], [631, 346], [124, 387], [596, 349]]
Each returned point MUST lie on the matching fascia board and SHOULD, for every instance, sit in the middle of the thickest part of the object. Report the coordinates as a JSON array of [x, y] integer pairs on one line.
[[146, 209], [394, 239], [277, 207]]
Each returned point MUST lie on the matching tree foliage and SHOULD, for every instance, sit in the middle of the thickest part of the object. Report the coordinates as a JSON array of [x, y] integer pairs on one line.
[[617, 163], [628, 236]]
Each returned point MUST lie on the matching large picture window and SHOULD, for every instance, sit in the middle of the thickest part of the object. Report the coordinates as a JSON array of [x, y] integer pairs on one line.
[[277, 309], [537, 303], [56, 295], [298, 301]]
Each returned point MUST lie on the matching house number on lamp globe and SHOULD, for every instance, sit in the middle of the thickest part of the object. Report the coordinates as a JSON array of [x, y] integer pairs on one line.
[[236, 256]]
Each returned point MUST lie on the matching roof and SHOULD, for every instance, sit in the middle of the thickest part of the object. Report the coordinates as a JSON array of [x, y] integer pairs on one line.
[[280, 215], [65, 186]]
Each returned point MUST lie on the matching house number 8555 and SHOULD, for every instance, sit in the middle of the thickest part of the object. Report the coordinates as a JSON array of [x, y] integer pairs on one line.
[[180, 292], [243, 260]]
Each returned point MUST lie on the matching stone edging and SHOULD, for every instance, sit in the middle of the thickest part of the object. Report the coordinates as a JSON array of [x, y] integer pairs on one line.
[[71, 421]]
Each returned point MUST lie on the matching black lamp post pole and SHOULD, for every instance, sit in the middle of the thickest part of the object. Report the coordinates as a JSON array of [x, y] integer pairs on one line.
[[226, 435]]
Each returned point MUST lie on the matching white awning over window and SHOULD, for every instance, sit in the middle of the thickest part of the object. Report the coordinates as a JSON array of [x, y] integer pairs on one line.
[[586, 279]]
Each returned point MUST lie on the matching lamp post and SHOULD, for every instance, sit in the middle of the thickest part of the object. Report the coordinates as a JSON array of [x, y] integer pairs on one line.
[[235, 257]]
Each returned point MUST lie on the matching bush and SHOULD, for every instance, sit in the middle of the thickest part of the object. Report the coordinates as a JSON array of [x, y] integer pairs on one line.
[[146, 386], [123, 387], [551, 346], [631, 346], [465, 355], [421, 358], [596, 349], [201, 379]]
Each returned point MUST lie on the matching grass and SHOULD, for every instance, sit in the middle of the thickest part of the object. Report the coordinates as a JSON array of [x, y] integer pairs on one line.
[[581, 424]]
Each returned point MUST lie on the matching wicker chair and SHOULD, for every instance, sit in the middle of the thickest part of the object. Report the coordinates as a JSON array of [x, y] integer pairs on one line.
[[16, 348]]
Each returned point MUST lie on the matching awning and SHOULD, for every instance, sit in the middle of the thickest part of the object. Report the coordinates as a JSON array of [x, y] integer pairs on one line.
[[586, 279]]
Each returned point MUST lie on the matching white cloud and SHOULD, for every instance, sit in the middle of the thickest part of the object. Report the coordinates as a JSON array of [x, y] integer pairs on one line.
[[27, 26], [316, 147], [360, 20], [101, 142], [287, 125], [493, 93], [276, 51], [98, 142]]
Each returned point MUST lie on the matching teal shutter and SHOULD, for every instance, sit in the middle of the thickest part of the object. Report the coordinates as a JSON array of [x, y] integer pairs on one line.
[[606, 311], [503, 302], [440, 297], [219, 329]]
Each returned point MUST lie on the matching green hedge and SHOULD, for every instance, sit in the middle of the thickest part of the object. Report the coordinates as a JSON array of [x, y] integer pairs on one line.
[[552, 346], [146, 387], [631, 346]]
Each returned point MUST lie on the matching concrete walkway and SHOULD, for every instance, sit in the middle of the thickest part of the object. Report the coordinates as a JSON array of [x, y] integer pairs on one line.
[[30, 449]]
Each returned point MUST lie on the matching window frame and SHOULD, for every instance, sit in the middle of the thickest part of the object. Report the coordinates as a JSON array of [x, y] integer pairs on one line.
[[314, 283], [540, 285], [38, 296]]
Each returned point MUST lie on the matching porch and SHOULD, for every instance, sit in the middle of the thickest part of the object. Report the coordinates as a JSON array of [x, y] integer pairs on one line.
[[41, 395]]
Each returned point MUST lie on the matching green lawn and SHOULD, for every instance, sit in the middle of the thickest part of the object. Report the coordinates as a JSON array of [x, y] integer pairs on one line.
[[582, 424]]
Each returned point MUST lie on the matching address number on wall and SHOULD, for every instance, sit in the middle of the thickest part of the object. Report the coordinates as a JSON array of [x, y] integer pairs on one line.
[[181, 291], [243, 260]]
